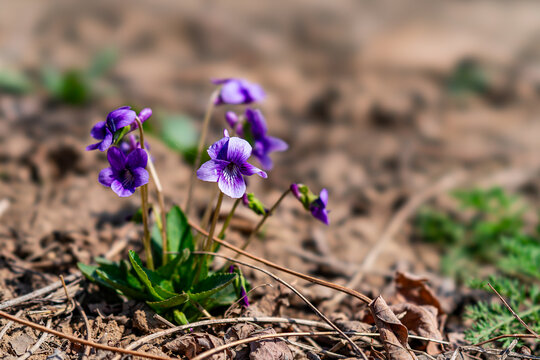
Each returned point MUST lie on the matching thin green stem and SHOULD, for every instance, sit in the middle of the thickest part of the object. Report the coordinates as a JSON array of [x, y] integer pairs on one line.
[[208, 242], [228, 219], [146, 239], [159, 190], [206, 216], [255, 231], [200, 147]]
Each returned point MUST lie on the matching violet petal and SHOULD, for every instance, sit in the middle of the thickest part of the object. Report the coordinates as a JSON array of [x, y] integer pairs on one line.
[[106, 177], [116, 158], [211, 170], [120, 190], [137, 159], [238, 150], [231, 182]]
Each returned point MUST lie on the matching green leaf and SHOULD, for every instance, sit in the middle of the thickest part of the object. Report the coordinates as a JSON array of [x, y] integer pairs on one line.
[[178, 132], [171, 302], [75, 88], [178, 231], [14, 82], [210, 286], [120, 285], [169, 269], [180, 317], [145, 276], [52, 80], [89, 271]]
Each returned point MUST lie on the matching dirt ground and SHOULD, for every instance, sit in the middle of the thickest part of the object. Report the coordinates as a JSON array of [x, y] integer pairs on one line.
[[358, 89]]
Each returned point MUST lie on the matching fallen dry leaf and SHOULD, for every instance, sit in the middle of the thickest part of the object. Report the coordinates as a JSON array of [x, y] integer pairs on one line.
[[421, 320], [270, 349], [415, 290], [191, 345], [393, 333]]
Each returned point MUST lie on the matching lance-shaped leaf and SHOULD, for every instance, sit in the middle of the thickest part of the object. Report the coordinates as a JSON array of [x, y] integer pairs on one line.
[[210, 286], [171, 302], [149, 278]]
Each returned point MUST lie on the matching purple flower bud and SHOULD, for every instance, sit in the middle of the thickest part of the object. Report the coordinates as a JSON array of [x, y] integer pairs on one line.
[[296, 191], [238, 91], [228, 165], [244, 296], [104, 130], [144, 114], [126, 173]]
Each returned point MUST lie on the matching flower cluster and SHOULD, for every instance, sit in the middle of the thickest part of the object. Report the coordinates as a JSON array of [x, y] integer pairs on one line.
[[183, 276], [127, 161]]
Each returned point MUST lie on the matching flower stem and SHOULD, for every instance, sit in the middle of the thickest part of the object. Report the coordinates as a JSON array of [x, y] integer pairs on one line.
[[262, 221], [209, 241], [146, 239], [206, 216], [200, 147], [228, 219], [159, 191]]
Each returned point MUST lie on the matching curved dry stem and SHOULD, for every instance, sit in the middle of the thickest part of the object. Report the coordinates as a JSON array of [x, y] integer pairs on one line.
[[77, 340], [299, 294], [365, 299], [200, 147]]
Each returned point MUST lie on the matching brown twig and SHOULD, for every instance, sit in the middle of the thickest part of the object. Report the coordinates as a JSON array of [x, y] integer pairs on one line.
[[395, 224], [509, 349], [37, 293], [88, 329], [232, 344], [8, 325], [82, 341], [497, 352], [521, 336], [38, 344], [298, 293], [262, 319], [327, 353], [365, 299], [513, 312]]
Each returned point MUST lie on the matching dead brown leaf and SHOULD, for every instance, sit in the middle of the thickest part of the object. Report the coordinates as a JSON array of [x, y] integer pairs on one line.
[[190, 345], [415, 290], [393, 333], [270, 349], [421, 320]]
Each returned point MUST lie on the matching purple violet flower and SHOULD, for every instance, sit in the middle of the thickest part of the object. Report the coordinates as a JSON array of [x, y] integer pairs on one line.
[[228, 165], [263, 144], [104, 130], [238, 91], [318, 207], [126, 172]]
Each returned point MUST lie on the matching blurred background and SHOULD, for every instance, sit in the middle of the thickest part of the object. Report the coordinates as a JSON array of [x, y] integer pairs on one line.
[[378, 100]]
